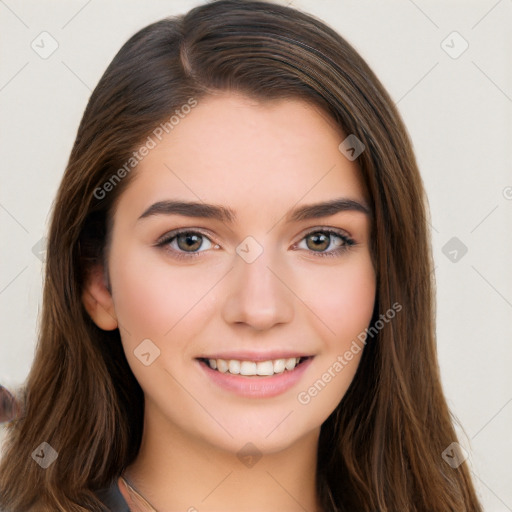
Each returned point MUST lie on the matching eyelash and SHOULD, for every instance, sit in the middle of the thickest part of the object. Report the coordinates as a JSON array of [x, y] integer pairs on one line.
[[181, 255]]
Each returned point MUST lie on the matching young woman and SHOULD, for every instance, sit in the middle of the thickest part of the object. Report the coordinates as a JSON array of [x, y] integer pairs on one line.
[[238, 293]]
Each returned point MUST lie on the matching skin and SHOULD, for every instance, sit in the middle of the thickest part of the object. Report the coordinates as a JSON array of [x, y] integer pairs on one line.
[[261, 160]]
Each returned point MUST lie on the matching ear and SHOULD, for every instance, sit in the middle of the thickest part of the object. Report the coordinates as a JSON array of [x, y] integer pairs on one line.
[[97, 299]]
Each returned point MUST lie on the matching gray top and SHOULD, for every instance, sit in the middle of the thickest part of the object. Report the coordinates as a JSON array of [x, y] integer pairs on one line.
[[112, 498]]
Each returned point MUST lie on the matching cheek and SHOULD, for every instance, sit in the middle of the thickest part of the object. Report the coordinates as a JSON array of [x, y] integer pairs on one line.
[[345, 305], [140, 296], [342, 298], [149, 299], [157, 302]]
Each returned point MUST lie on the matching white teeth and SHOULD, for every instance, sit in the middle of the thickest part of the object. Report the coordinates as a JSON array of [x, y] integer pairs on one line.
[[251, 368], [265, 368], [234, 366], [247, 368], [279, 365], [222, 365], [290, 363]]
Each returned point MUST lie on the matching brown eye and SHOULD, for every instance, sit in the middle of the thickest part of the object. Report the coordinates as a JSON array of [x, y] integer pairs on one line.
[[189, 241], [185, 243], [320, 240]]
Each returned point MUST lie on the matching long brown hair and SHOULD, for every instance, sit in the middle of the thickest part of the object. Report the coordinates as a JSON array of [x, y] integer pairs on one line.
[[381, 449]]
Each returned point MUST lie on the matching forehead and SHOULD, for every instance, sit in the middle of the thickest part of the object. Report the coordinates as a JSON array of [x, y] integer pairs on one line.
[[234, 150]]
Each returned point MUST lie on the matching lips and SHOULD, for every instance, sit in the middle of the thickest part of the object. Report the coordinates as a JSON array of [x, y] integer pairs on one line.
[[255, 385]]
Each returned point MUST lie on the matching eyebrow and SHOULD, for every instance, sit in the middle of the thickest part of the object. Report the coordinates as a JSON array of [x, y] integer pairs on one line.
[[223, 214]]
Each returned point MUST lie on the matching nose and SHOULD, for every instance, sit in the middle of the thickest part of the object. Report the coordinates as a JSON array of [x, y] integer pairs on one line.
[[259, 294]]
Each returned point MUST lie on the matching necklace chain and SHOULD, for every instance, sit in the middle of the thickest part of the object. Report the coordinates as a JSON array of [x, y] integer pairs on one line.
[[132, 489], [138, 494]]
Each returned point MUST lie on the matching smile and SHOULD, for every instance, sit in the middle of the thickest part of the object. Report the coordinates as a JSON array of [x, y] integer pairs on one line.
[[254, 368], [255, 379]]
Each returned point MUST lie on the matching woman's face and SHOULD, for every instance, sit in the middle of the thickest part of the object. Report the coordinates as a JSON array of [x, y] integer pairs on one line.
[[252, 290]]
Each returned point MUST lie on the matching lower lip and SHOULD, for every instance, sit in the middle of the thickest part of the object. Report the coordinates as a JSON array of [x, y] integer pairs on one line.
[[257, 387]]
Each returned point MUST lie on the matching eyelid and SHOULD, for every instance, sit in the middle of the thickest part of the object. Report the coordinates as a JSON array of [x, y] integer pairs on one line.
[[178, 231], [339, 231]]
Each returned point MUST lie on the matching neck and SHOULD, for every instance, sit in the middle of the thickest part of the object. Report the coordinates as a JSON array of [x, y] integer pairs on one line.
[[175, 471]]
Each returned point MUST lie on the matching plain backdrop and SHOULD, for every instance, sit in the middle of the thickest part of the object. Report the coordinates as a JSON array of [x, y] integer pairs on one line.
[[455, 101]]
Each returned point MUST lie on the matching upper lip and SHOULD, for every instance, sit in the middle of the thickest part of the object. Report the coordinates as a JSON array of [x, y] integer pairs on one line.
[[254, 356]]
